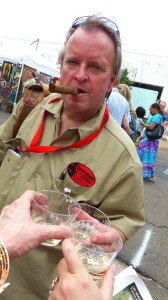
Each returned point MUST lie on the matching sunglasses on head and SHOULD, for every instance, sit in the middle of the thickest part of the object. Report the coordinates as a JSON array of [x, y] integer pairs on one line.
[[110, 24]]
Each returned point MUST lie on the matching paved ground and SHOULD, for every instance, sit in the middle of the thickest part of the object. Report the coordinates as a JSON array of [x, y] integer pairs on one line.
[[147, 251]]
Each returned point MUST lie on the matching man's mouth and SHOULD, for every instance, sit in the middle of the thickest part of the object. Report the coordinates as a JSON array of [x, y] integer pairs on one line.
[[80, 91]]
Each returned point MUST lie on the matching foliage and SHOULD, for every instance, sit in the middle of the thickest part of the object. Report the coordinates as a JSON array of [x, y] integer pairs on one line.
[[124, 78]]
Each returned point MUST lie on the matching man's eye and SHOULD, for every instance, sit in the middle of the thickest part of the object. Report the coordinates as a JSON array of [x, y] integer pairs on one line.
[[96, 67], [71, 62]]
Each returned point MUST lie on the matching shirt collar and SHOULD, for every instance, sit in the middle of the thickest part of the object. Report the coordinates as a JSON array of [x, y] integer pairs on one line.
[[86, 128]]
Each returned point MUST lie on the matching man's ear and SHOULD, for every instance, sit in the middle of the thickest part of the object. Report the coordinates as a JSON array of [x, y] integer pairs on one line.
[[112, 83]]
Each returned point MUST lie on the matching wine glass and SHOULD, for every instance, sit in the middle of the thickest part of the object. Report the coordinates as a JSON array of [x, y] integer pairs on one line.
[[60, 209], [96, 257], [94, 212]]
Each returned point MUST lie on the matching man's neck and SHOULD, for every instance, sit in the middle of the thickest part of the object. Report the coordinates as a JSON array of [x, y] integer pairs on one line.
[[71, 119]]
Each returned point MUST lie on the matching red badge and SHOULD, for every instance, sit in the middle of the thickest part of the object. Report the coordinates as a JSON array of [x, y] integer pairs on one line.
[[81, 174]]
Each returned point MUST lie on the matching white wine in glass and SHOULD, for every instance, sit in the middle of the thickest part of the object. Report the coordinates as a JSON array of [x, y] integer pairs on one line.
[[96, 257], [61, 209]]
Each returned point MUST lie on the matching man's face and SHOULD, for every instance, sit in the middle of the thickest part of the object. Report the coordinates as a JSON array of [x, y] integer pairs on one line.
[[162, 105], [87, 66], [30, 75]]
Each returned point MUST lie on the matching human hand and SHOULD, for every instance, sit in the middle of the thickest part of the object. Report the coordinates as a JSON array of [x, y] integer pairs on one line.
[[75, 282], [125, 121], [140, 137], [111, 237], [143, 124], [19, 232], [125, 124], [108, 238]]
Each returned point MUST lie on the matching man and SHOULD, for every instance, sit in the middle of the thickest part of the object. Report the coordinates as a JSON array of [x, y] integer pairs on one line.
[[89, 156], [118, 105], [120, 110], [30, 81], [163, 106]]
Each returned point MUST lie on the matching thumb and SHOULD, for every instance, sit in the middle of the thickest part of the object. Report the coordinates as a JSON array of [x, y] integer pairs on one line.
[[107, 284], [52, 232]]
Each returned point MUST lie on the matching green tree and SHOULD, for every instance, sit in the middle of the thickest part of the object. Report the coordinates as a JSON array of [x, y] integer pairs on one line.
[[124, 78]]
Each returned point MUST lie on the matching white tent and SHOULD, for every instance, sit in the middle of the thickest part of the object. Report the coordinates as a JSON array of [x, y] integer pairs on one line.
[[29, 57]]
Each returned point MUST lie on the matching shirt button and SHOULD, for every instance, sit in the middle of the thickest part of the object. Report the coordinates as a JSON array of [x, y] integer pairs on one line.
[[8, 159], [34, 175]]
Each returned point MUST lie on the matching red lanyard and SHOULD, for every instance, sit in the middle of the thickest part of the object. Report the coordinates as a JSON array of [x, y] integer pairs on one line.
[[44, 149]]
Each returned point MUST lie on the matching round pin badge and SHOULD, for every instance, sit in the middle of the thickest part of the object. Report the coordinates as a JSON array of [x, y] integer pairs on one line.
[[81, 174]]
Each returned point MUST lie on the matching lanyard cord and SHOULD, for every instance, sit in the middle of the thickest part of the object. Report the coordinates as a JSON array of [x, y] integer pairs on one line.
[[45, 149]]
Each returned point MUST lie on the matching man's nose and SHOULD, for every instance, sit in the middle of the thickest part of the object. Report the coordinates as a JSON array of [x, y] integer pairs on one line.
[[81, 74]]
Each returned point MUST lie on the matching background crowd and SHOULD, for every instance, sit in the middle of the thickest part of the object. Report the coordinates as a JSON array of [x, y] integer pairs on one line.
[[121, 108]]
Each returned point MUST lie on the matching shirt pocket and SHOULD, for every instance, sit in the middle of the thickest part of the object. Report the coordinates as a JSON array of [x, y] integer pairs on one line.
[[78, 192], [10, 168]]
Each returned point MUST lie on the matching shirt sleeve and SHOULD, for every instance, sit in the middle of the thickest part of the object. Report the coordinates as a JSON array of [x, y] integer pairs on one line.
[[156, 118], [7, 129]]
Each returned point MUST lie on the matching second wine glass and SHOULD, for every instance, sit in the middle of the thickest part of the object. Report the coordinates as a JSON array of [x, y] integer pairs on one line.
[[98, 256]]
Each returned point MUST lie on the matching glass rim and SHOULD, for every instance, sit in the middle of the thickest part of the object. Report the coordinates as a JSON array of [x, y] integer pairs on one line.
[[96, 209], [45, 210], [52, 191]]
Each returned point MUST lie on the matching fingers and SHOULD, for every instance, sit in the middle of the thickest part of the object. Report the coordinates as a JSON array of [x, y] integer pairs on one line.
[[62, 269], [84, 216], [72, 258], [106, 237], [27, 198], [40, 198], [110, 238], [107, 284], [52, 232]]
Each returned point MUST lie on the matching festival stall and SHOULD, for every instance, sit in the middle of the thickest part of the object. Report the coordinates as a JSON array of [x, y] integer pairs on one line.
[[14, 67]]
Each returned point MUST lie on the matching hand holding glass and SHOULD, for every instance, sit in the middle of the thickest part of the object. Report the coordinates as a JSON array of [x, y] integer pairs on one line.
[[97, 245], [60, 209]]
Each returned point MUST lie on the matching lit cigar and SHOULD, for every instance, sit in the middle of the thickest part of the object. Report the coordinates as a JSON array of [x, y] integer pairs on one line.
[[62, 89]]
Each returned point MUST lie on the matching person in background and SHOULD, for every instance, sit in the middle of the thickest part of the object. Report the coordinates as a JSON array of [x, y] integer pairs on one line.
[[140, 113], [20, 234], [129, 123], [60, 143], [147, 148], [163, 106], [6, 74], [158, 101], [125, 90], [117, 105], [30, 81]]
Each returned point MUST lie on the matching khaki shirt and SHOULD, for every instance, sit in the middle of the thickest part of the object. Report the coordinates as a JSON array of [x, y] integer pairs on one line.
[[114, 183]]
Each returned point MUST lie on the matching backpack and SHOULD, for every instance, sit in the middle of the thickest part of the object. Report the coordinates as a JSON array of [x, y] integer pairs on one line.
[[35, 94], [132, 125], [32, 97]]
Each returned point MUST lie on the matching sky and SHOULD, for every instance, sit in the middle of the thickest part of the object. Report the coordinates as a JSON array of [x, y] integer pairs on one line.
[[143, 24]]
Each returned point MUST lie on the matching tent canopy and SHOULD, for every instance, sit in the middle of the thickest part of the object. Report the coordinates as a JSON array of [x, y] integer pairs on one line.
[[30, 58]]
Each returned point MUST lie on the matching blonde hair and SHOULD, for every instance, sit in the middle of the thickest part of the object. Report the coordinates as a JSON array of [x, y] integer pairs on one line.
[[126, 92]]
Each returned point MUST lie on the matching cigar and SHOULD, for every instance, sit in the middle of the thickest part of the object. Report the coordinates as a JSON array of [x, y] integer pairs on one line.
[[62, 89]]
